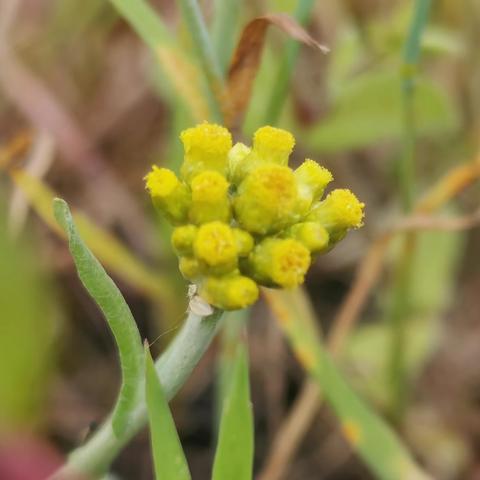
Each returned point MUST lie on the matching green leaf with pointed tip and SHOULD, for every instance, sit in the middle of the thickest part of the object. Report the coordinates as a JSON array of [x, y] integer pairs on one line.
[[108, 297], [168, 456], [234, 454]]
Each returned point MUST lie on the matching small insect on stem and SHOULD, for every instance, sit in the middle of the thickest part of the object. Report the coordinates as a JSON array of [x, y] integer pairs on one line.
[[197, 304]]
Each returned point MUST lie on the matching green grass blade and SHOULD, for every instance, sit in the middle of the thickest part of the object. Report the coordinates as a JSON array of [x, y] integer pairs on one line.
[[367, 433], [282, 82], [108, 297], [203, 45], [224, 29], [234, 454], [182, 74], [168, 456], [145, 21]]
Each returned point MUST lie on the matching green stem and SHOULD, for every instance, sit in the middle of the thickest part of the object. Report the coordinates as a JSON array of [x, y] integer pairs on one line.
[[281, 85], [202, 43], [411, 56], [399, 310], [398, 317], [173, 367]]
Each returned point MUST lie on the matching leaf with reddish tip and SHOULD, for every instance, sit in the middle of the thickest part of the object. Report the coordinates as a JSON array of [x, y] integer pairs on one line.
[[246, 60]]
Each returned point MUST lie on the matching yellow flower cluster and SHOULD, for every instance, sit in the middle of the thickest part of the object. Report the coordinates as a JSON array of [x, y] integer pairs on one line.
[[244, 218]]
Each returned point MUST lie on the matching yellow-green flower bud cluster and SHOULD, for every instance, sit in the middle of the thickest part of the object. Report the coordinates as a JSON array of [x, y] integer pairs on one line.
[[244, 218]]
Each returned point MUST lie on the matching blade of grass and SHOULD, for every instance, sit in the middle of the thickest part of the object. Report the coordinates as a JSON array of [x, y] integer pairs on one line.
[[180, 70], [366, 432], [105, 246], [224, 29], [230, 335], [399, 310], [234, 453], [203, 44], [280, 87], [117, 313], [168, 456], [411, 56]]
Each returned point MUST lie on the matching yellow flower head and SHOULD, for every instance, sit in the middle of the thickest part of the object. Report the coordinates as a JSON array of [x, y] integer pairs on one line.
[[215, 245], [210, 200], [238, 161], [190, 268], [229, 292], [280, 262], [311, 234], [340, 211], [244, 218], [244, 240], [169, 195], [206, 148], [266, 199], [182, 239], [273, 144]]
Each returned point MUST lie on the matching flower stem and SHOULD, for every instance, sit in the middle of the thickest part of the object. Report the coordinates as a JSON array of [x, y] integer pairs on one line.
[[173, 367], [399, 308]]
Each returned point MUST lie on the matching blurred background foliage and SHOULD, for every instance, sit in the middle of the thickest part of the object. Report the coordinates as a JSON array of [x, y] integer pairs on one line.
[[86, 108]]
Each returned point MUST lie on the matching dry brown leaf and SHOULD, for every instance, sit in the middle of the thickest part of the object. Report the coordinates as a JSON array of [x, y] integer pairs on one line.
[[246, 60]]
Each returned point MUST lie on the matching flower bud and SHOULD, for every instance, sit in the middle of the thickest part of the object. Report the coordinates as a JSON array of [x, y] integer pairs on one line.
[[244, 242], [277, 262], [238, 160], [266, 199], [190, 268], [338, 213], [182, 239], [170, 196], [206, 147], [273, 145], [229, 292], [311, 180], [216, 247], [210, 199], [311, 234]]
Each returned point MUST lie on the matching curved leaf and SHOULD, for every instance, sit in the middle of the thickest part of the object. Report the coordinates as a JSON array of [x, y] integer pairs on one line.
[[108, 297]]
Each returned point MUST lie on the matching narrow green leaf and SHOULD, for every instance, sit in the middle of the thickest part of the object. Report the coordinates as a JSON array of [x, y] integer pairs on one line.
[[183, 75], [234, 454], [108, 297], [225, 29], [366, 432], [168, 456], [281, 85], [203, 45], [145, 20]]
